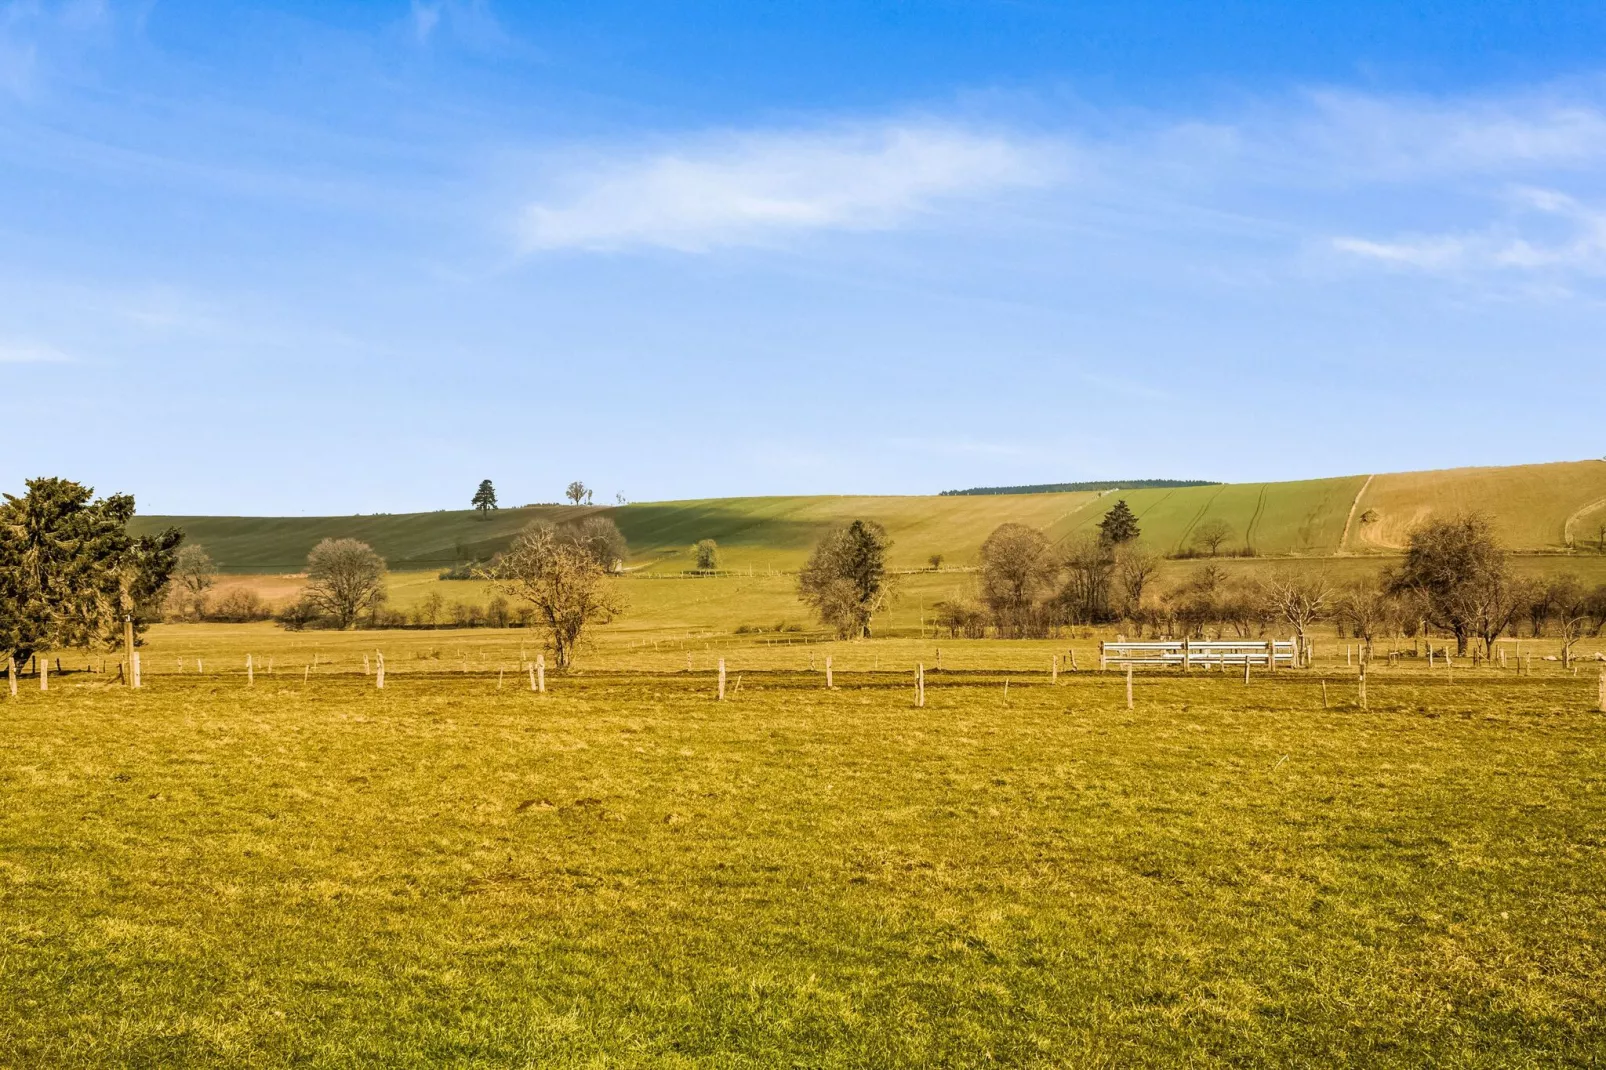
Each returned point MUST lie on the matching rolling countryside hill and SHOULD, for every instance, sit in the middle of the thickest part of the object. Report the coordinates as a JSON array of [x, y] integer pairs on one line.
[[1537, 508]]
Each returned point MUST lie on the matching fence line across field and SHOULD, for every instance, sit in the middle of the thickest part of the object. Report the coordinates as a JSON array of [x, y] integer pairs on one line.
[[1187, 653]]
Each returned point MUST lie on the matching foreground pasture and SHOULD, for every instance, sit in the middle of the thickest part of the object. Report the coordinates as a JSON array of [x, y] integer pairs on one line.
[[623, 872]]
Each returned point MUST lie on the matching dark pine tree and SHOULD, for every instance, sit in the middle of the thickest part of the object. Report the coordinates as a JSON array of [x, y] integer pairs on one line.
[[485, 498], [1119, 525]]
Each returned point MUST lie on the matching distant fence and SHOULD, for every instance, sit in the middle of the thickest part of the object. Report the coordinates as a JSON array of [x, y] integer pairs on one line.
[[1187, 653]]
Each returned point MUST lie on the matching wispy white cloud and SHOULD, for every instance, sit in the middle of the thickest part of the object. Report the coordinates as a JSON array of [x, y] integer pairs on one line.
[[470, 22], [759, 188], [1546, 231], [26, 353]]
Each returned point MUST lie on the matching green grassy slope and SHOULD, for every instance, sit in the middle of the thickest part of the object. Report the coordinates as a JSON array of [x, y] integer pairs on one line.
[[1535, 507]]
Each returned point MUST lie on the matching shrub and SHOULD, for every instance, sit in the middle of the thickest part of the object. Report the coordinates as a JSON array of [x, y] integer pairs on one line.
[[239, 606]]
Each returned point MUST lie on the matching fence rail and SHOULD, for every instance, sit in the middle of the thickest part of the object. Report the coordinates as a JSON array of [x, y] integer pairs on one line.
[[1186, 653]]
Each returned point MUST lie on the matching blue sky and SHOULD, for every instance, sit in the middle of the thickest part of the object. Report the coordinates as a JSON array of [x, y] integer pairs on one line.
[[354, 257]]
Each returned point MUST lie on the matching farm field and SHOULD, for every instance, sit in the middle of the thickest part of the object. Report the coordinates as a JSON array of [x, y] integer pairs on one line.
[[625, 872], [1536, 508], [765, 598]]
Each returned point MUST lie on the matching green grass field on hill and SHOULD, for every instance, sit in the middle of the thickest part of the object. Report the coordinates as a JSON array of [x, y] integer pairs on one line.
[[1536, 508]]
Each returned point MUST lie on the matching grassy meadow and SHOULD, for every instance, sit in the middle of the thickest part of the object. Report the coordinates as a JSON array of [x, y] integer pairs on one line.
[[309, 871], [1536, 508]]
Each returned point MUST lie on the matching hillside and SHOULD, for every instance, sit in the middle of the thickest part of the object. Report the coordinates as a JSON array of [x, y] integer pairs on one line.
[[1537, 508]]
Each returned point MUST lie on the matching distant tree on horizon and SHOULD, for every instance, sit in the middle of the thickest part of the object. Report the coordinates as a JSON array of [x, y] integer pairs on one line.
[[485, 498], [1119, 525], [576, 493]]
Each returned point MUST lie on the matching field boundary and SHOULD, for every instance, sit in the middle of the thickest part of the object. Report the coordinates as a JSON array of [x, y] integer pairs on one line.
[[1343, 540]]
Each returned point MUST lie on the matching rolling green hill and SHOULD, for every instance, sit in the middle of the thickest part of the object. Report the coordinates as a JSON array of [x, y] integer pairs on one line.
[[1537, 508]]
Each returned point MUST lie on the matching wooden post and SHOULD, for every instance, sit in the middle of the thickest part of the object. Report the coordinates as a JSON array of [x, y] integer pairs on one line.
[[1430, 655], [365, 664], [1324, 693], [920, 698], [1602, 703], [1271, 655], [379, 672], [499, 671], [688, 661], [540, 673], [1349, 650], [828, 684], [1129, 685], [1246, 666], [128, 642], [306, 674], [138, 683], [1104, 661], [44, 674], [1184, 654], [530, 665], [1006, 691], [722, 679], [811, 661], [11, 673], [200, 667], [939, 659], [1073, 659], [250, 673], [1361, 685], [1054, 669]]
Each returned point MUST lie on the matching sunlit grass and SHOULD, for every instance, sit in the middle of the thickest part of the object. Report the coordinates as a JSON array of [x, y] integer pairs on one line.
[[311, 871]]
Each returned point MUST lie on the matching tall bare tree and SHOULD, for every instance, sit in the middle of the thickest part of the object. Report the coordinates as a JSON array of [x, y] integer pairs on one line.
[[1455, 569], [1368, 608], [576, 492], [1017, 568], [1301, 599], [345, 579], [564, 583], [1136, 565], [194, 574]]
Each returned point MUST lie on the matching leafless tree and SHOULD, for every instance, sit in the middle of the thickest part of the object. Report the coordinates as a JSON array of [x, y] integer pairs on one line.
[[345, 579], [1368, 608], [1017, 568], [1300, 598], [193, 575], [935, 561], [1211, 534], [1492, 603], [1136, 566], [600, 537], [562, 580], [1456, 570], [1574, 612], [576, 492], [1090, 570]]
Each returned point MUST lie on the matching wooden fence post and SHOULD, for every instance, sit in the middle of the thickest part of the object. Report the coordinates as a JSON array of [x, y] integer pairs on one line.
[[250, 673], [1104, 662], [11, 673], [920, 686], [1184, 655], [1246, 666], [128, 644], [1602, 691], [1271, 655], [44, 674], [1054, 669], [379, 673], [540, 673], [1129, 685], [1324, 693], [722, 679], [828, 684], [137, 682], [1361, 685]]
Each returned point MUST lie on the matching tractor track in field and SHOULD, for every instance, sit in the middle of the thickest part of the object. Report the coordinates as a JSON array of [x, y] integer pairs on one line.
[[1260, 507], [1343, 539], [1203, 509]]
